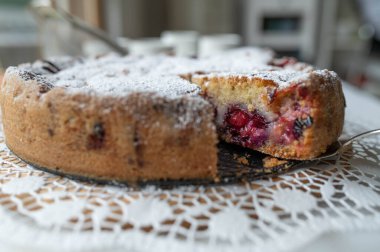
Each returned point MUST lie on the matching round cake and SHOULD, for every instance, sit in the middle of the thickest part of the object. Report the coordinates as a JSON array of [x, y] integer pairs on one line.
[[138, 118]]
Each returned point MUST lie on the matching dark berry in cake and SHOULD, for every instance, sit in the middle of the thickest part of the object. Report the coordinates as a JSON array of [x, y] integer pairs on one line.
[[300, 124], [96, 138]]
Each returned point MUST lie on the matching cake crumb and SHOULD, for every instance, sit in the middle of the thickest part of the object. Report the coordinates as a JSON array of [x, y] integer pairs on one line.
[[270, 162], [241, 159]]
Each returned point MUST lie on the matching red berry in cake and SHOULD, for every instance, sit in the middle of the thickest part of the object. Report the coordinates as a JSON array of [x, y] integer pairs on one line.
[[254, 137], [302, 92], [258, 120], [237, 118]]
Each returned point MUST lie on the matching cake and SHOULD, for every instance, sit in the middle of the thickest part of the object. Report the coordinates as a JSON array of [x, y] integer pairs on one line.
[[137, 118]]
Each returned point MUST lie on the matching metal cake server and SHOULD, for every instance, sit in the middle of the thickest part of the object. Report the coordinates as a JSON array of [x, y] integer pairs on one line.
[[338, 147], [231, 169]]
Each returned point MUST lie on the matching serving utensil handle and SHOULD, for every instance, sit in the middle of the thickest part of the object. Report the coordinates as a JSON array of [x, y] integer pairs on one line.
[[359, 136]]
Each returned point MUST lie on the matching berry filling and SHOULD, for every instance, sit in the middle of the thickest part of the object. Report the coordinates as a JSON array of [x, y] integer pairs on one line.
[[252, 129], [245, 128], [237, 118]]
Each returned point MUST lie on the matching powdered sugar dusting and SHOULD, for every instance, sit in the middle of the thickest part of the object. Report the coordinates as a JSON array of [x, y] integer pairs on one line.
[[118, 76], [169, 86], [282, 78], [114, 75]]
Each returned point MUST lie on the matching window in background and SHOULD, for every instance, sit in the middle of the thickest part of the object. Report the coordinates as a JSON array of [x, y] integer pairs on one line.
[[18, 33]]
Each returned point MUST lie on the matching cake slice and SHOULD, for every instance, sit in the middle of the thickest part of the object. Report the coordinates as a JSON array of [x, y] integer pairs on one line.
[[286, 113]]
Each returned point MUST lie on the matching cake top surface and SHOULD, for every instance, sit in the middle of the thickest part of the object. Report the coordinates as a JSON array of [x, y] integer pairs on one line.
[[118, 76], [283, 78], [113, 75], [122, 75]]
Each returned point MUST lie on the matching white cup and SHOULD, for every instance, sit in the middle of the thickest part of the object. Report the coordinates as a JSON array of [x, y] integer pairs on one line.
[[185, 43], [123, 42], [149, 46], [95, 47], [214, 44]]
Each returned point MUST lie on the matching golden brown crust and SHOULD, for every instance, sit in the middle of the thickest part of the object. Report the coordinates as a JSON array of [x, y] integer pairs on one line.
[[328, 118], [128, 139]]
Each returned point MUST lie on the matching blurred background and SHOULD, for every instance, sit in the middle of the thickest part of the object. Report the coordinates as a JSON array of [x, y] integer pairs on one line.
[[341, 35]]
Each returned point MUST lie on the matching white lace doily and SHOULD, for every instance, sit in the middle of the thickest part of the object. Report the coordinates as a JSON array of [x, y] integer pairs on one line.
[[43, 211]]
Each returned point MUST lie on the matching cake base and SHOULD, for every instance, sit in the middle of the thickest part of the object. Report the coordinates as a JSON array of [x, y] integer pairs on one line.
[[235, 165]]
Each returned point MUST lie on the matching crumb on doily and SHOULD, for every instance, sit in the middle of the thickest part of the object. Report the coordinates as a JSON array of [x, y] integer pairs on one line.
[[269, 162], [241, 159]]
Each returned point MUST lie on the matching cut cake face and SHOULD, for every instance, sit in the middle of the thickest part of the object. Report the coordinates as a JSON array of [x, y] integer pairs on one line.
[[284, 113]]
